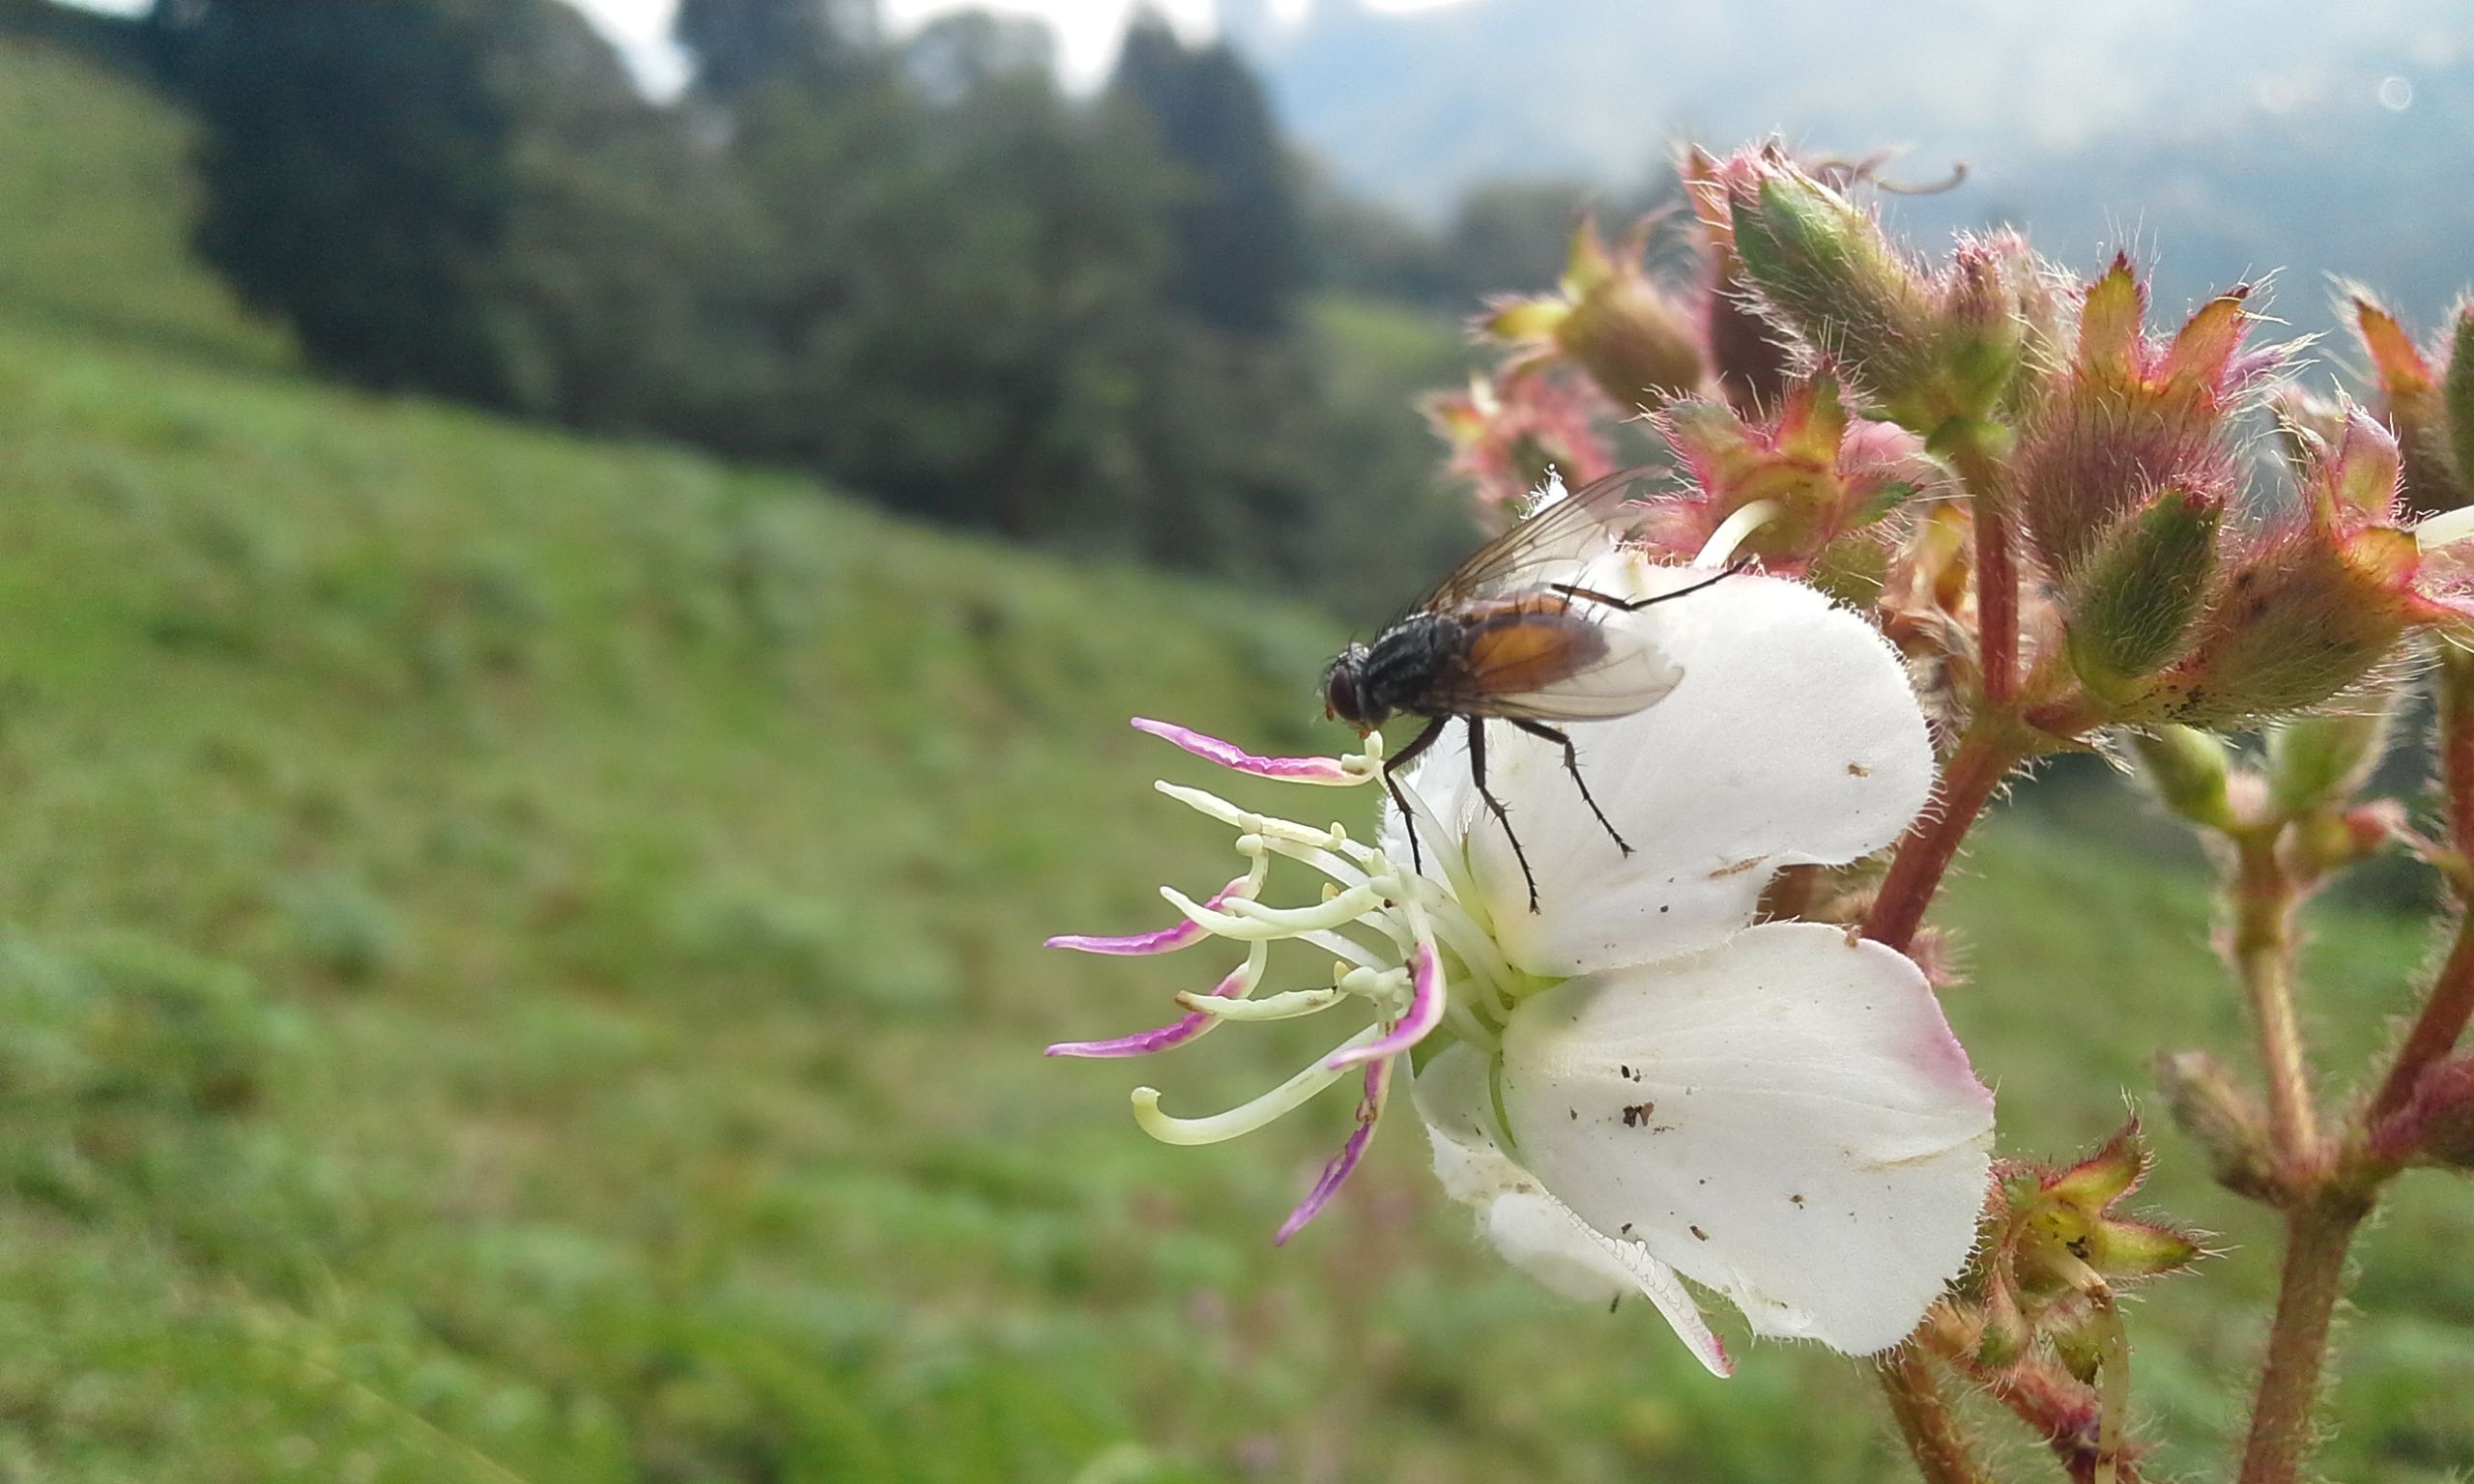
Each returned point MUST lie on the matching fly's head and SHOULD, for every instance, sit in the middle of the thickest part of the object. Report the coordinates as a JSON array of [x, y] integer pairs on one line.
[[1344, 695]]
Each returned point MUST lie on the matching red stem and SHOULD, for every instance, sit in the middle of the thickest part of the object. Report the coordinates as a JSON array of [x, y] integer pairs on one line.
[[1925, 1421], [2444, 1016], [1977, 769], [2435, 1030], [1996, 592], [2317, 1236]]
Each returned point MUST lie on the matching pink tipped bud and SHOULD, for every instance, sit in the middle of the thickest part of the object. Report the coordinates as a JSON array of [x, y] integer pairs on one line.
[[1823, 268], [1747, 357], [2132, 415], [2354, 481], [1817, 473]]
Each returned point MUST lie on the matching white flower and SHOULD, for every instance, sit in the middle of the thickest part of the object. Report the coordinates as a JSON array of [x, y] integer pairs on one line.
[[1634, 1081]]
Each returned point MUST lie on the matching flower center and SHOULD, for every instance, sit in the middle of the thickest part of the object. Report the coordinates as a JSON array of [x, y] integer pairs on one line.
[[1419, 950]]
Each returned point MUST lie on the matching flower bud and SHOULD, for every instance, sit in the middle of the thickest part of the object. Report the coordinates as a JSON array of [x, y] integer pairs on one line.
[[2457, 395], [1609, 320], [2411, 402], [2325, 840], [2437, 1124], [1824, 268], [2187, 768], [2223, 1118], [2126, 610], [1810, 476], [2131, 415], [2317, 761], [2072, 1211], [2297, 622], [1745, 354], [1508, 433]]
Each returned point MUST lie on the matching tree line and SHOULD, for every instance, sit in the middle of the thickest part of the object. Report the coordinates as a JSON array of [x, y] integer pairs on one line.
[[913, 266]]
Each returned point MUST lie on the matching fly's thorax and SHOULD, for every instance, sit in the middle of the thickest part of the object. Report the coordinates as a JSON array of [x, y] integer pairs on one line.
[[1411, 663]]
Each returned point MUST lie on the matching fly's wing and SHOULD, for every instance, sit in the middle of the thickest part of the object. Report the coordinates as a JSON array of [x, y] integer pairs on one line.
[[1580, 525], [1535, 658]]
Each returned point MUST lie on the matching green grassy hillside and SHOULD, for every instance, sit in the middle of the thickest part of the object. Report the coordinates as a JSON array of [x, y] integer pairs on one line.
[[518, 961]]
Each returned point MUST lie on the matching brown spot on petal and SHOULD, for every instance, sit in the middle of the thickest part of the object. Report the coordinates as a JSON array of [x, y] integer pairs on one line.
[[1638, 1114], [1858, 770], [1697, 1232]]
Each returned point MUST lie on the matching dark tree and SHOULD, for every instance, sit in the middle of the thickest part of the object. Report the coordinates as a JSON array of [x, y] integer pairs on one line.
[[1241, 251], [358, 179], [740, 45]]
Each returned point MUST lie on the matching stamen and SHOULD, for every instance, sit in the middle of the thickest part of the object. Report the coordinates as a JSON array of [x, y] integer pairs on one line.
[[1339, 772], [1747, 518], [1167, 940], [1369, 1107], [1247, 921], [1247, 1117], [1230, 991], [1287, 1005], [1244, 821], [1425, 1012]]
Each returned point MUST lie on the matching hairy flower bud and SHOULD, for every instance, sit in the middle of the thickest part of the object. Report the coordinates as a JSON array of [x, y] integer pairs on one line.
[[1823, 268], [2412, 403], [2223, 1118], [2189, 769], [2318, 761], [2437, 1124], [1609, 320], [2311, 603], [1747, 357], [2127, 607], [2131, 416], [1798, 482]]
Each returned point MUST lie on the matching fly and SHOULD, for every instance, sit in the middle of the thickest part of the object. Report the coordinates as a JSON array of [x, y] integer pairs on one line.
[[1499, 640]]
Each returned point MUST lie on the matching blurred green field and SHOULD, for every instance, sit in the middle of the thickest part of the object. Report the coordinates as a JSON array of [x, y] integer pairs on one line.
[[518, 961]]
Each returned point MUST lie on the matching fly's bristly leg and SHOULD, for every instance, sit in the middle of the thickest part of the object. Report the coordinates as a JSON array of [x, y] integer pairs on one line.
[[1636, 604], [1477, 776], [1401, 759], [1572, 765]]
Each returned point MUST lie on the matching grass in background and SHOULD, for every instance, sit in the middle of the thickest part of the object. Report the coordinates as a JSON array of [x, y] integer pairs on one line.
[[517, 962]]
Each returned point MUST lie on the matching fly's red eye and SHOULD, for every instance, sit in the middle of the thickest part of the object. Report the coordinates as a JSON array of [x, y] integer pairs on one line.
[[1340, 696]]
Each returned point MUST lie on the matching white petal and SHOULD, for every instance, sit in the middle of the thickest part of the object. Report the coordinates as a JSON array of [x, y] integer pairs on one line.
[[1792, 738], [1535, 1231], [1785, 1119]]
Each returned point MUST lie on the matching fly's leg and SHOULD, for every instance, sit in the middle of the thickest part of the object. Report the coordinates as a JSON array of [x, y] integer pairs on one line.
[[1477, 776], [1401, 759], [1636, 604], [1572, 765]]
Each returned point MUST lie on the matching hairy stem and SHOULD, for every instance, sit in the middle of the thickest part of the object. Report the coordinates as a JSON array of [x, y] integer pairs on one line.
[[2264, 900], [2435, 1030], [2318, 1232], [1925, 852], [2451, 1004], [1925, 1421], [1997, 571]]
